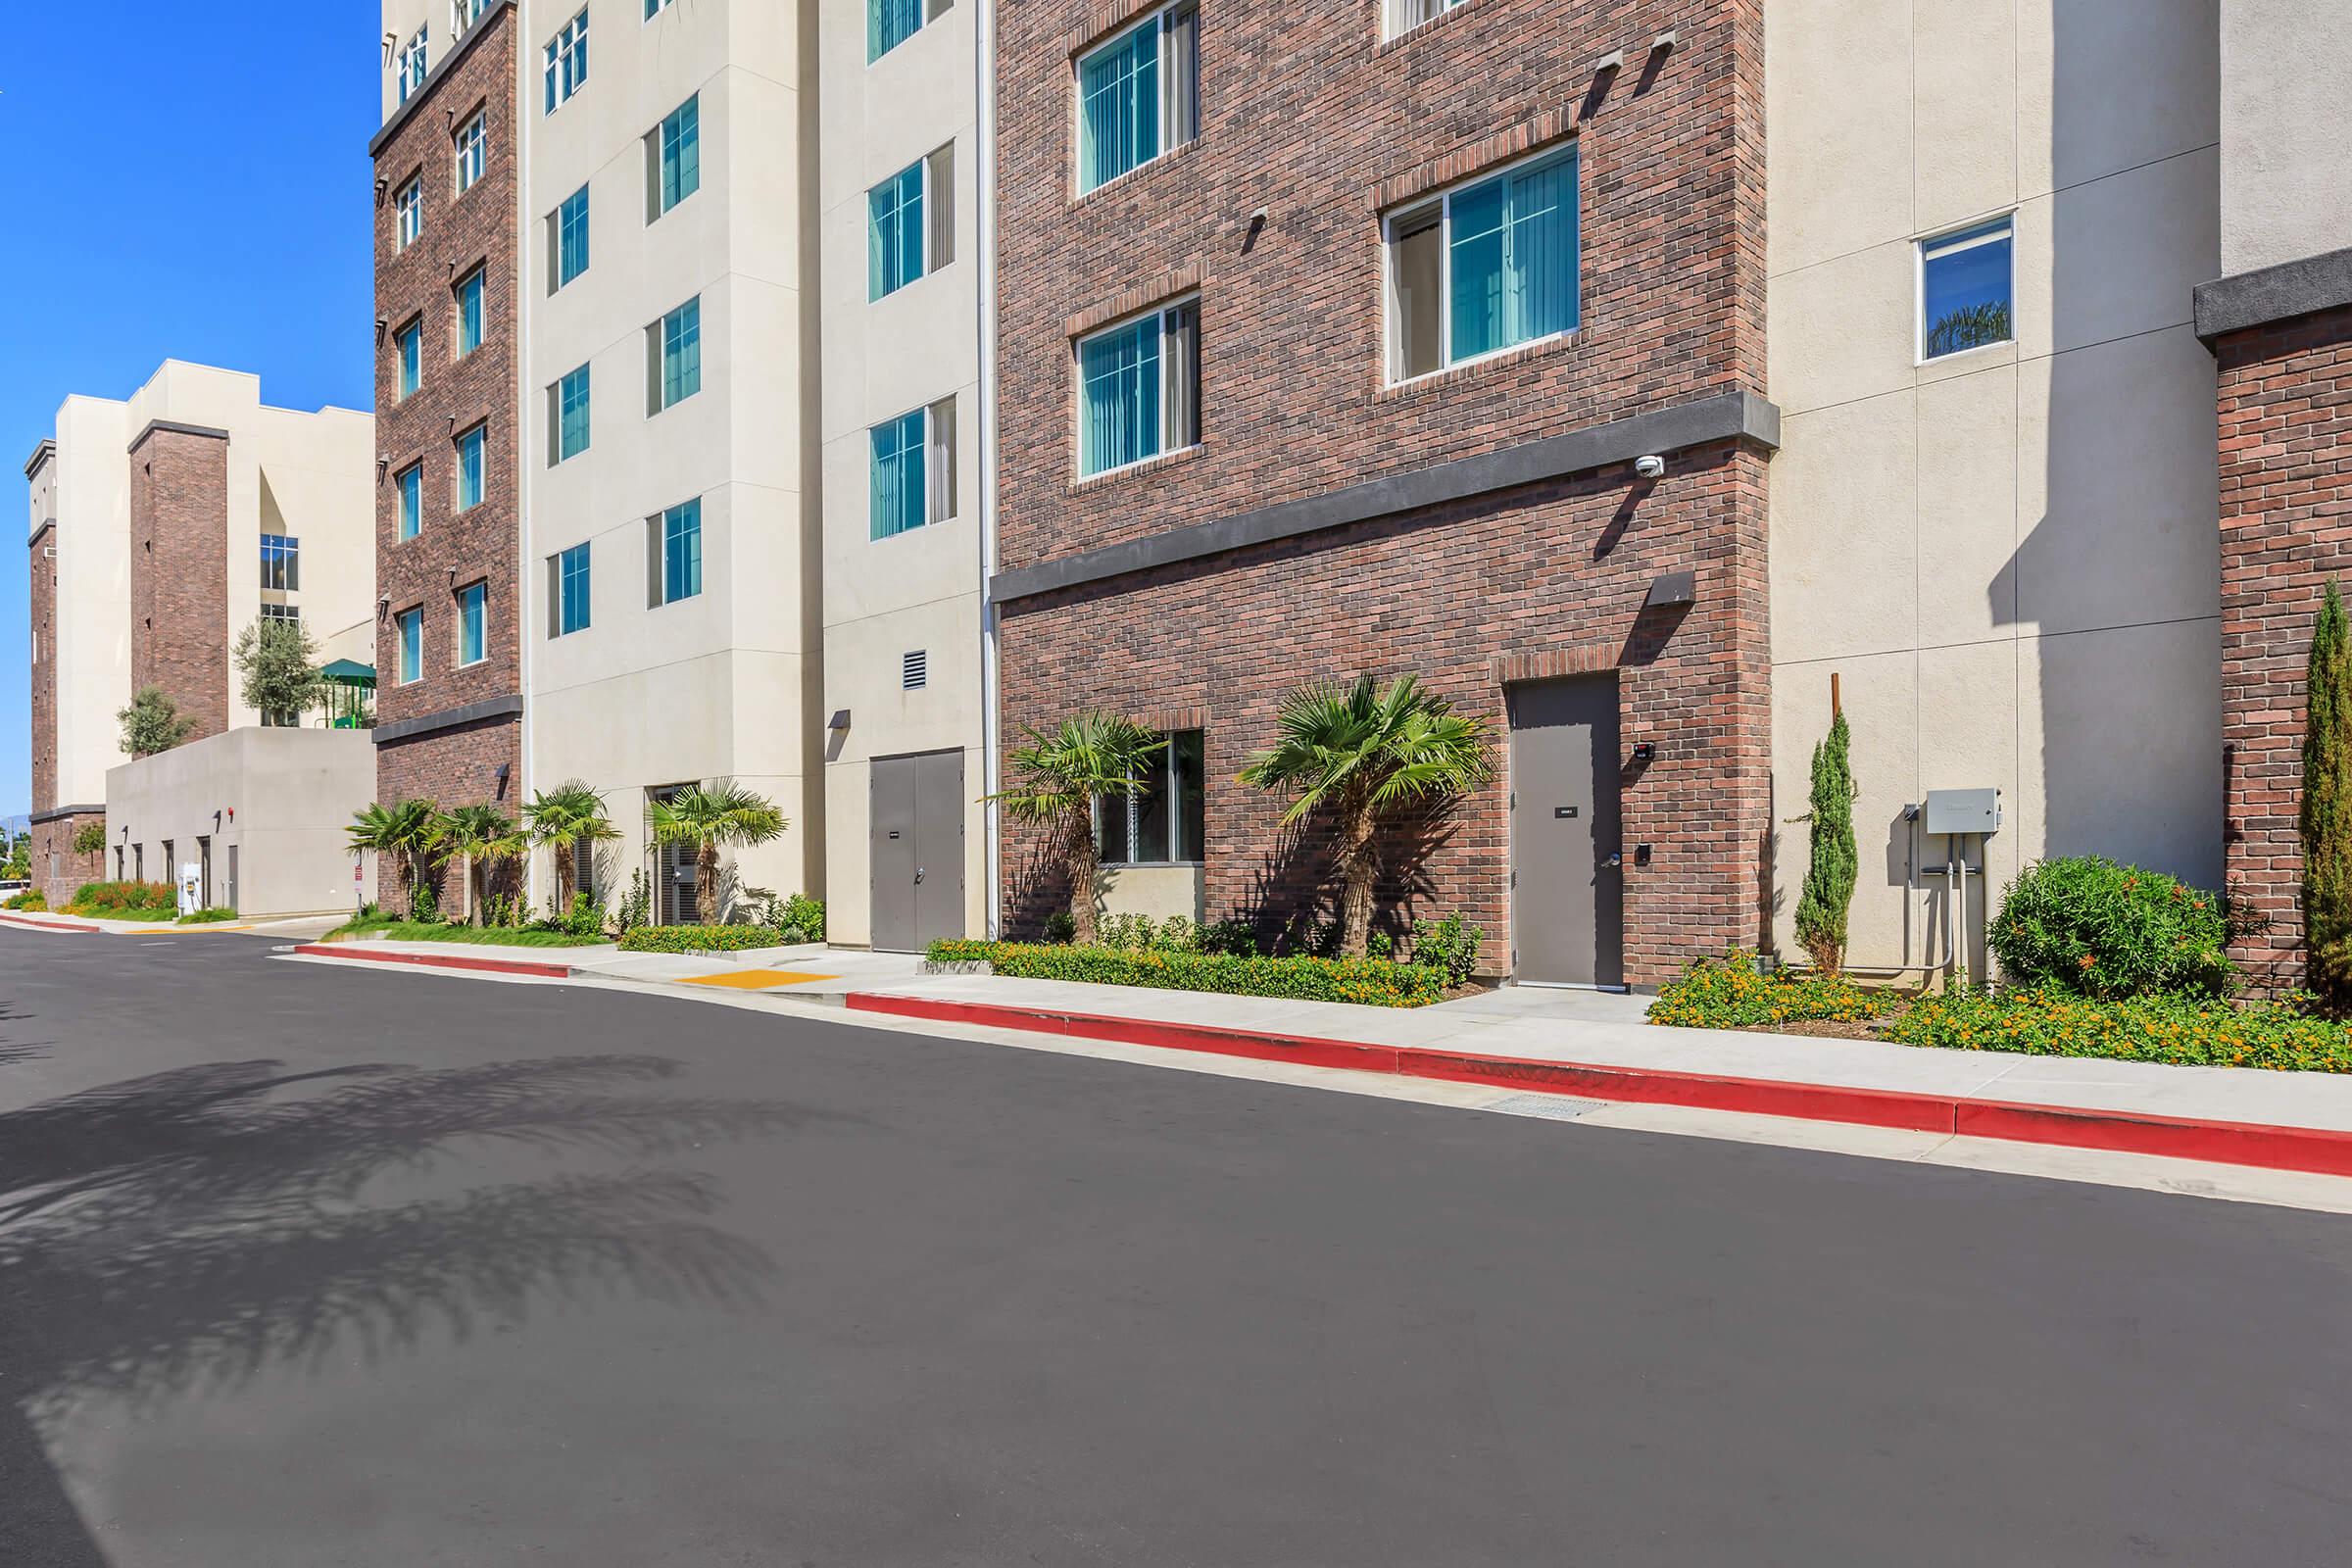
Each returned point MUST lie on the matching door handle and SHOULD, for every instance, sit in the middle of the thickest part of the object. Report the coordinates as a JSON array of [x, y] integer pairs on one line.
[[918, 873]]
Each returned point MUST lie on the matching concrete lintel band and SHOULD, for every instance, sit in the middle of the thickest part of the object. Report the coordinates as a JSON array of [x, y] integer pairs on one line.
[[57, 812], [40, 454], [435, 76], [406, 729], [2270, 294], [1727, 416], [174, 427]]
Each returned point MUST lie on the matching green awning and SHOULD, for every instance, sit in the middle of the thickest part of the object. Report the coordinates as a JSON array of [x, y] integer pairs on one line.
[[347, 669]]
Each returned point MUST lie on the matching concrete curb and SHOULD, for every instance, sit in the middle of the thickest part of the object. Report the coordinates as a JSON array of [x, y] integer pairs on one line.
[[47, 925], [434, 961], [2319, 1151]]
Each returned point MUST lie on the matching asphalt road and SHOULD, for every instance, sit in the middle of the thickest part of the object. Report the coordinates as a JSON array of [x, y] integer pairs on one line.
[[310, 1266]]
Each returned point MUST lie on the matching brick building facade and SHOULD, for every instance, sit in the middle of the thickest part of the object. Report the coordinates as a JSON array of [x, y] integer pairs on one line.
[[179, 570], [1482, 526], [449, 730], [57, 871]]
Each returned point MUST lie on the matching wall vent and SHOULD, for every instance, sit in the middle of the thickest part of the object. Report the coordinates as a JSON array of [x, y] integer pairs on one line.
[[915, 669]]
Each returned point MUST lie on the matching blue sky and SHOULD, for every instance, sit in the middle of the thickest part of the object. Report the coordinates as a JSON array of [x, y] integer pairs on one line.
[[180, 181]]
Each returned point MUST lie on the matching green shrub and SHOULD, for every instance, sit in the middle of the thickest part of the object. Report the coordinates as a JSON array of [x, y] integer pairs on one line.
[[585, 919], [1450, 945], [2183, 1030], [488, 936], [805, 914], [699, 938], [1369, 982], [29, 900], [2086, 924], [1731, 992], [1229, 936], [211, 916], [1061, 926], [127, 901], [1140, 933]]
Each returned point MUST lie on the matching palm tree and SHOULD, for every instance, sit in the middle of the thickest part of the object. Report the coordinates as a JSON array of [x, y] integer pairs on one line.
[[405, 831], [1365, 751], [482, 834], [707, 816], [1060, 774], [569, 816]]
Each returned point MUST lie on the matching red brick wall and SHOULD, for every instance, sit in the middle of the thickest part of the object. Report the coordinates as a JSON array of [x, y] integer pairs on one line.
[[2286, 406], [1305, 114], [55, 839], [180, 573], [41, 579], [453, 549]]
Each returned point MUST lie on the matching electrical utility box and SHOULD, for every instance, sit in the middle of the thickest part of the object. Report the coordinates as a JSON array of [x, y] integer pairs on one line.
[[1962, 811]]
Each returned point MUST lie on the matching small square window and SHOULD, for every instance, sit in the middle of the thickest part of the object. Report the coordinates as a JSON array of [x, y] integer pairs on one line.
[[1965, 287], [1166, 820]]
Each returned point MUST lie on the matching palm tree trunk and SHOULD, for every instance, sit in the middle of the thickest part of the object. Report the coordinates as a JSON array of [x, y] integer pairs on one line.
[[563, 880], [1356, 867], [1085, 871], [706, 882]]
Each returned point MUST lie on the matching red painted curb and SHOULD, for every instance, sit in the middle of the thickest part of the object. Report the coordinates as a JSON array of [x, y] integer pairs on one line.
[[434, 961], [49, 925], [2317, 1149]]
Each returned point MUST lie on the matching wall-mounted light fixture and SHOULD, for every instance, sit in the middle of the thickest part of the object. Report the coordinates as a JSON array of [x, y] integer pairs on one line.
[[1645, 752], [839, 721]]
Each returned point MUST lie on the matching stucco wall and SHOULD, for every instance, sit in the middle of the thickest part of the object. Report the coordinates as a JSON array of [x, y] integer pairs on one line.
[[2287, 121], [2008, 555], [282, 797]]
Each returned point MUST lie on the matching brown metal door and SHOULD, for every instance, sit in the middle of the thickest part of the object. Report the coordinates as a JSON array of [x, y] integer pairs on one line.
[[1567, 882]]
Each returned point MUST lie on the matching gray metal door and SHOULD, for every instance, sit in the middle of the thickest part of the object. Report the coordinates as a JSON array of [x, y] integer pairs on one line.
[[915, 826], [1567, 882], [232, 878], [204, 857]]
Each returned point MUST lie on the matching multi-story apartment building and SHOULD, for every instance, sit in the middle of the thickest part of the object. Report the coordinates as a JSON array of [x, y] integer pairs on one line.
[[900, 193], [670, 470], [448, 501], [162, 526]]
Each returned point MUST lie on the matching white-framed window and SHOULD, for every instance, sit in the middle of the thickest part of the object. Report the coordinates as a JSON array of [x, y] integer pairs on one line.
[[673, 539], [674, 356], [912, 478], [891, 22], [567, 240], [1165, 822], [463, 14], [473, 623], [408, 214], [1139, 94], [409, 344], [410, 66], [1484, 268], [1404, 16], [472, 143], [410, 624], [910, 224], [568, 591], [1966, 287], [281, 563], [567, 61], [674, 157], [568, 417], [469, 450], [1139, 388], [468, 296], [288, 612], [411, 483]]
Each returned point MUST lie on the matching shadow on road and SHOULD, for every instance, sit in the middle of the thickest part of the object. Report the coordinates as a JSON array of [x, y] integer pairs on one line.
[[186, 1231]]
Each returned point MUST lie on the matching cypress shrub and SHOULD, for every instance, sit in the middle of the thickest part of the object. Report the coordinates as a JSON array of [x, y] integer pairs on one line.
[[1829, 888], [2326, 819]]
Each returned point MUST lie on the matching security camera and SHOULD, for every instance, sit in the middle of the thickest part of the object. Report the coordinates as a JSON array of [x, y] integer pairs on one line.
[[1649, 466]]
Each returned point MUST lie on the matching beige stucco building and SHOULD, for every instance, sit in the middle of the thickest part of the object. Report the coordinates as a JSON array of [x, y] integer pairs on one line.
[[903, 430], [2006, 554]]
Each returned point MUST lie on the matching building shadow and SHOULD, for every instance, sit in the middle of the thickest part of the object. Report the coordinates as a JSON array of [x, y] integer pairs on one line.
[[187, 1231]]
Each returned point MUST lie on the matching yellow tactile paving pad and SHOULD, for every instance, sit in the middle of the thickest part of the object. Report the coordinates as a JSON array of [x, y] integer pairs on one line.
[[757, 979]]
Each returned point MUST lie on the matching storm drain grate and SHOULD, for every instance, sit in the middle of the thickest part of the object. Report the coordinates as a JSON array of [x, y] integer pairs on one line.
[[1555, 1107]]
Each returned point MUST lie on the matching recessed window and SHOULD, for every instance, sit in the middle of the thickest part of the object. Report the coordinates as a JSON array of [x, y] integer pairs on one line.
[[567, 247], [469, 468], [463, 14], [568, 417], [409, 344], [473, 142], [1484, 268], [469, 313], [910, 224], [568, 591], [1406, 14], [1138, 95], [915, 669], [1965, 289], [654, 8], [281, 562], [287, 612], [675, 554], [411, 484], [408, 68], [674, 159], [567, 61], [410, 624], [912, 480], [473, 623], [1166, 821], [891, 22], [407, 215], [1139, 389], [674, 356]]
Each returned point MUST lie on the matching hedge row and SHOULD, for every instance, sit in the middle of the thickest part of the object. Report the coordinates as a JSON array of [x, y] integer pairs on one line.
[[1731, 992], [700, 937], [127, 900], [1368, 982], [2180, 1030]]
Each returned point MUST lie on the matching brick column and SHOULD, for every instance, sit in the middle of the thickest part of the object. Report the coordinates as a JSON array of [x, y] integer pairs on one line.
[[179, 570]]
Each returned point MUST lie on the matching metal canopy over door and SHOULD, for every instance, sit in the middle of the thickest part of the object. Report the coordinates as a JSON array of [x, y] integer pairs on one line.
[[915, 825], [1567, 883]]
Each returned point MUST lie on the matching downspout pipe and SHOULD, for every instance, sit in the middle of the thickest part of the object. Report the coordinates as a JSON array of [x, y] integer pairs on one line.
[[984, 50]]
